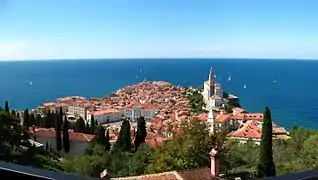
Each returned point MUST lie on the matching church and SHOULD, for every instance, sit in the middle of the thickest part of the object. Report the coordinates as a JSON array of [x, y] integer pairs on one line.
[[212, 92]]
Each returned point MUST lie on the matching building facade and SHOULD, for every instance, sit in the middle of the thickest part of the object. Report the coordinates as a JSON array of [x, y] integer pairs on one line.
[[212, 91], [133, 112], [78, 141], [105, 116], [78, 110]]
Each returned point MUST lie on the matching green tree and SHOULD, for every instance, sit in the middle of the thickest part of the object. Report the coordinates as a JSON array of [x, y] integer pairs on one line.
[[66, 138], [92, 124], [26, 118], [80, 125], [124, 137], [50, 120], [266, 166], [47, 146], [186, 151], [100, 135], [39, 121], [32, 120], [107, 143], [13, 137], [141, 132], [58, 139], [13, 113], [6, 107], [138, 162]]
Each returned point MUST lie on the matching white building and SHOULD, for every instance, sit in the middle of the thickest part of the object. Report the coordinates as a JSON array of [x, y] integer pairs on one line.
[[78, 141], [211, 121], [133, 112], [78, 110], [212, 91], [105, 116]]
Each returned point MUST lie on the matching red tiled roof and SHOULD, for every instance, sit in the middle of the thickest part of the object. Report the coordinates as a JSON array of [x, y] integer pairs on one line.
[[239, 110], [159, 176], [196, 174], [249, 130], [155, 120], [222, 117], [253, 116], [143, 106], [237, 116], [191, 174], [50, 133]]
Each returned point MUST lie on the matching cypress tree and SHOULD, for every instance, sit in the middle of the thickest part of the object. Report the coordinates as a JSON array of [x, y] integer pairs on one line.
[[92, 124], [87, 129], [141, 132], [47, 146], [80, 125], [124, 137], [38, 120], [107, 143], [26, 118], [66, 138], [58, 139], [47, 119], [32, 119], [6, 107], [13, 113], [100, 135], [18, 115], [266, 166]]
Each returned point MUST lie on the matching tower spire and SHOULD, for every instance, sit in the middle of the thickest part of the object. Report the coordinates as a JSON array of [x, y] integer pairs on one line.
[[211, 119], [211, 75], [212, 82]]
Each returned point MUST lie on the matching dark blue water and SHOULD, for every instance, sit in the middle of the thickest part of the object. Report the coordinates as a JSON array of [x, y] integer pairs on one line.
[[293, 98]]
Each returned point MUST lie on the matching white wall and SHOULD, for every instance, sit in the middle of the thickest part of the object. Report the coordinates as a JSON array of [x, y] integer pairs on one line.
[[76, 147]]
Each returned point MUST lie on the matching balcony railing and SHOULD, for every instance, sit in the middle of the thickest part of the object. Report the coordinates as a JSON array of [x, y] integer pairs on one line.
[[14, 171]]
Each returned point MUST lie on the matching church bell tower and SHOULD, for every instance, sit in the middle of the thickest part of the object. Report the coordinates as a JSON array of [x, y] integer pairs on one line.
[[212, 82]]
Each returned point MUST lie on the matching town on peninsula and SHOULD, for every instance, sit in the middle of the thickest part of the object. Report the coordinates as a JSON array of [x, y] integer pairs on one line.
[[164, 106], [164, 110]]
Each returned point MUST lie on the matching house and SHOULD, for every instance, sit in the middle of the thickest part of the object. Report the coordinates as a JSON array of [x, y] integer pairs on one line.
[[238, 110], [78, 110], [252, 130], [222, 122], [78, 141], [47, 107], [135, 110], [216, 100], [204, 173], [105, 116]]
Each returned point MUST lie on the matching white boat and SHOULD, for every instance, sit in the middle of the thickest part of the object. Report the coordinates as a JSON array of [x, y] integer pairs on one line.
[[30, 83], [140, 70], [245, 86], [229, 79]]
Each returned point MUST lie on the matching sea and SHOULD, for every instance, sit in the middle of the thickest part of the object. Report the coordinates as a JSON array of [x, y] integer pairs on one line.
[[288, 87]]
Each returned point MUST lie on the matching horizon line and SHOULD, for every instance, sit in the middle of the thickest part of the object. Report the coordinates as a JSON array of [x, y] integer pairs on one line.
[[165, 58]]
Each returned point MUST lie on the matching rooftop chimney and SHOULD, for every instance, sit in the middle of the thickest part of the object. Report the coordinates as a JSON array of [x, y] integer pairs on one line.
[[104, 175], [215, 162]]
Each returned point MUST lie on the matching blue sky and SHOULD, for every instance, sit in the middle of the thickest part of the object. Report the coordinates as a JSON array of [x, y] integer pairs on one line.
[[59, 29]]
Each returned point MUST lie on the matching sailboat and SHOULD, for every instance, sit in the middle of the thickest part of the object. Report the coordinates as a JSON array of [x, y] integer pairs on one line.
[[229, 79], [30, 83], [245, 86]]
